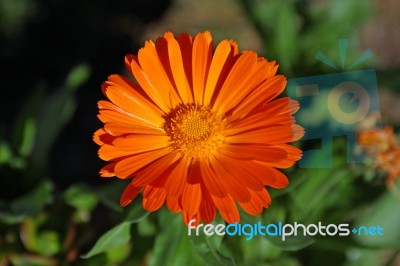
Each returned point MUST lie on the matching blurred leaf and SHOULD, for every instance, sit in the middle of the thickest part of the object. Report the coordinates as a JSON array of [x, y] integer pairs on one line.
[[29, 234], [25, 128], [135, 212], [48, 243], [80, 197], [110, 193], [384, 213], [364, 257], [14, 14], [114, 238], [320, 191], [285, 261], [146, 227], [118, 254], [30, 203], [5, 153], [10, 218], [286, 35], [35, 200], [208, 249], [77, 76], [291, 243], [29, 133], [31, 260], [172, 246], [55, 112]]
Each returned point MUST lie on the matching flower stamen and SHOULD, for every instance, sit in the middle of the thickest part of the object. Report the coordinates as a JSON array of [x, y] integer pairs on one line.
[[195, 130]]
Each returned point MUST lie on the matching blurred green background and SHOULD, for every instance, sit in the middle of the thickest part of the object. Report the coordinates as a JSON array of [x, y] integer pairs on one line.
[[56, 210]]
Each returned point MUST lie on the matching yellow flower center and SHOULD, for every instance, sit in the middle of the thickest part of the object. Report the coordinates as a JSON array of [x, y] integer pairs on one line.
[[194, 130]]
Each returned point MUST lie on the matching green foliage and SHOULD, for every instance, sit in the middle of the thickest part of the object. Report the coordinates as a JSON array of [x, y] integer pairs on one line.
[[114, 238], [31, 203], [295, 30], [46, 225]]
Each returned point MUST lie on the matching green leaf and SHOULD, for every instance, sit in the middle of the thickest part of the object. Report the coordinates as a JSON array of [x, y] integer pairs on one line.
[[135, 212], [77, 76], [80, 197], [207, 248], [172, 246], [54, 113], [28, 139], [114, 238], [31, 260], [25, 126], [384, 213], [110, 193], [48, 243], [146, 227], [118, 254], [291, 243], [34, 201], [28, 204], [5, 153]]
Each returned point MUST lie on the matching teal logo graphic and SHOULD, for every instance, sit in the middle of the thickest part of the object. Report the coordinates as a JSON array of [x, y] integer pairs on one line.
[[333, 105]]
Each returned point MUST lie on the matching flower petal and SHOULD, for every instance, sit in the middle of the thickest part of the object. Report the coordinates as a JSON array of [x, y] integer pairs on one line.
[[272, 135], [176, 181], [201, 60], [240, 174], [238, 191], [123, 93], [178, 70], [129, 194], [127, 167], [157, 170], [267, 91], [227, 208], [234, 83], [211, 182], [173, 203], [254, 206], [154, 200], [219, 60], [191, 198], [259, 152], [140, 143]]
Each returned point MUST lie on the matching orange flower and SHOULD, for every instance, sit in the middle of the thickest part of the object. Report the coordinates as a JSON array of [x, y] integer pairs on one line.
[[381, 146], [201, 129]]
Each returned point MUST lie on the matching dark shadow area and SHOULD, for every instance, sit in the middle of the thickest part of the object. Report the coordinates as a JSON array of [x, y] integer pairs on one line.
[[45, 45]]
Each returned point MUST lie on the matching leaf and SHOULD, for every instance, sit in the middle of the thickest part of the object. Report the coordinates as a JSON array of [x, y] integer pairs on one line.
[[172, 246], [28, 139], [5, 153], [135, 212], [291, 243], [80, 197], [208, 249], [31, 260], [114, 238], [25, 126], [34, 201], [77, 76], [48, 243], [54, 113], [110, 193], [28, 204], [384, 213]]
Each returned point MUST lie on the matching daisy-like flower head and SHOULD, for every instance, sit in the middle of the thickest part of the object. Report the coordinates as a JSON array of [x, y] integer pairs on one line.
[[200, 131]]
